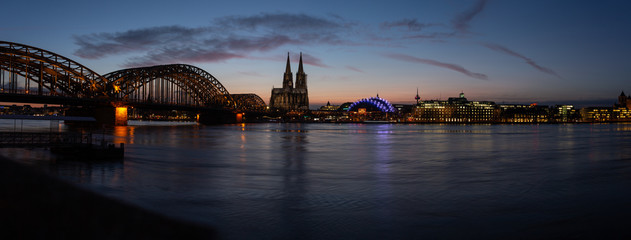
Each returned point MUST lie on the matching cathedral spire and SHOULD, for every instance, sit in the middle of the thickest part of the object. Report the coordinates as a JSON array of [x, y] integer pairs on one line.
[[300, 65], [301, 76], [288, 79], [288, 68]]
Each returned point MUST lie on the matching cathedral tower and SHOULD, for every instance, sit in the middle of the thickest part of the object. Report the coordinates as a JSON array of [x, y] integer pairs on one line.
[[288, 97], [288, 81], [301, 77]]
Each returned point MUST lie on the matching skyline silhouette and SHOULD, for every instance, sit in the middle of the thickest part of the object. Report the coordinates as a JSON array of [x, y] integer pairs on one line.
[[514, 52]]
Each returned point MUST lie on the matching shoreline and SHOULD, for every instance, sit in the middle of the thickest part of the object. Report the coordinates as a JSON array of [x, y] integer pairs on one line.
[[35, 205], [456, 123]]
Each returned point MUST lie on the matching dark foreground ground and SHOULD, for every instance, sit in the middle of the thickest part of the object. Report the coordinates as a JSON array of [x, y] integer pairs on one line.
[[34, 205]]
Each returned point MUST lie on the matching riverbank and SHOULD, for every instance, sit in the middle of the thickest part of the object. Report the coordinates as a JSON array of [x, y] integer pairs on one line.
[[35, 205]]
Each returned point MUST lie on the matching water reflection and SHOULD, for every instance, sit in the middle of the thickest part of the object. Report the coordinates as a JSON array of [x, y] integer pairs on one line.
[[623, 127], [358, 181], [383, 161], [383, 148], [124, 134], [295, 186]]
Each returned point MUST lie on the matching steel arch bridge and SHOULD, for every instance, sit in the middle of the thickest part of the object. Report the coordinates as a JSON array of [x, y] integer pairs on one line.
[[249, 101], [35, 71], [35, 75], [175, 84]]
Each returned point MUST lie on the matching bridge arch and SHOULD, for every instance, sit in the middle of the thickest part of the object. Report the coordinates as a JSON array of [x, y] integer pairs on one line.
[[249, 101], [372, 104], [174, 84], [26, 69]]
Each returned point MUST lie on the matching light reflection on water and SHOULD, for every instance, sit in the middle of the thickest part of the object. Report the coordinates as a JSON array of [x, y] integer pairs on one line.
[[287, 181]]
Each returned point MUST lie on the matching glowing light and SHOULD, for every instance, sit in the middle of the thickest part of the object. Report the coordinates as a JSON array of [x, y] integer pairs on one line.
[[380, 103], [117, 88], [121, 116]]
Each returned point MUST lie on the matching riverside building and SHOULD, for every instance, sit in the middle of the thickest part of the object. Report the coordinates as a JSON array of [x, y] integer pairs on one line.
[[454, 110], [620, 112]]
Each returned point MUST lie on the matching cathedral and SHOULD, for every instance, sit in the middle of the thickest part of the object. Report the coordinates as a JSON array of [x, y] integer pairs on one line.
[[289, 97]]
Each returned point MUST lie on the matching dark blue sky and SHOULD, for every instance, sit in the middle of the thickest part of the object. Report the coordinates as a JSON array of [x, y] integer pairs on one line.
[[504, 51]]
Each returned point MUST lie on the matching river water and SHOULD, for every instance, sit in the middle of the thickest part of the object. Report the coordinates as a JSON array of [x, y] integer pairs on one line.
[[367, 181]]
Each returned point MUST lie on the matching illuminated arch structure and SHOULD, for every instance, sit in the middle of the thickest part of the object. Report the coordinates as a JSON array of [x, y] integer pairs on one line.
[[32, 74], [29, 70], [249, 101], [372, 104], [175, 84]]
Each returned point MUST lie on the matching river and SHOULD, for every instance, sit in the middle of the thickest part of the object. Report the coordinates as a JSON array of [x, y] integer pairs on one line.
[[366, 181]]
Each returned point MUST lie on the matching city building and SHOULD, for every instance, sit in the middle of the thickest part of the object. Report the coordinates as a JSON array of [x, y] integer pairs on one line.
[[624, 101], [461, 110], [520, 113], [565, 114], [329, 113], [454, 110], [290, 98], [596, 114], [620, 112], [329, 107], [44, 110]]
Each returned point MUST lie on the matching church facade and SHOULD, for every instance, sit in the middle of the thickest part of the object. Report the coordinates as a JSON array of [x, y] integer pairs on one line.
[[289, 97]]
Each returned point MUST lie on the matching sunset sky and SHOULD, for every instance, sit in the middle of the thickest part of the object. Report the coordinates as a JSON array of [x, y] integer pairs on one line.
[[562, 51]]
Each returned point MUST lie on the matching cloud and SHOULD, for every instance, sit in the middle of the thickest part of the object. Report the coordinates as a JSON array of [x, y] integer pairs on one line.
[[439, 31], [99, 45], [310, 60], [410, 24], [530, 62], [280, 22], [225, 38], [355, 69], [263, 43], [449, 66], [180, 55], [461, 21], [252, 73], [434, 36]]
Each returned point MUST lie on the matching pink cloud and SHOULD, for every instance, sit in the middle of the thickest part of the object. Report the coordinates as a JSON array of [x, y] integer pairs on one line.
[[431, 62], [502, 49], [355, 69]]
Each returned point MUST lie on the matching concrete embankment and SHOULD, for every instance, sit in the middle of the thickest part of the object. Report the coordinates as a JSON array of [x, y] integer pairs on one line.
[[34, 205]]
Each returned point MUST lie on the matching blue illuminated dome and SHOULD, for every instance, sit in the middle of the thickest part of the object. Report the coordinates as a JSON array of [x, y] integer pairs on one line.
[[372, 104]]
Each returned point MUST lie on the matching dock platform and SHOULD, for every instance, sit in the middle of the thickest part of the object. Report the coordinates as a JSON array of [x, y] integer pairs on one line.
[[70, 145]]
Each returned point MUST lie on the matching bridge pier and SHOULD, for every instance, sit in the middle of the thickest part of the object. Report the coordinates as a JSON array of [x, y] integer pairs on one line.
[[216, 117], [104, 115], [115, 116]]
